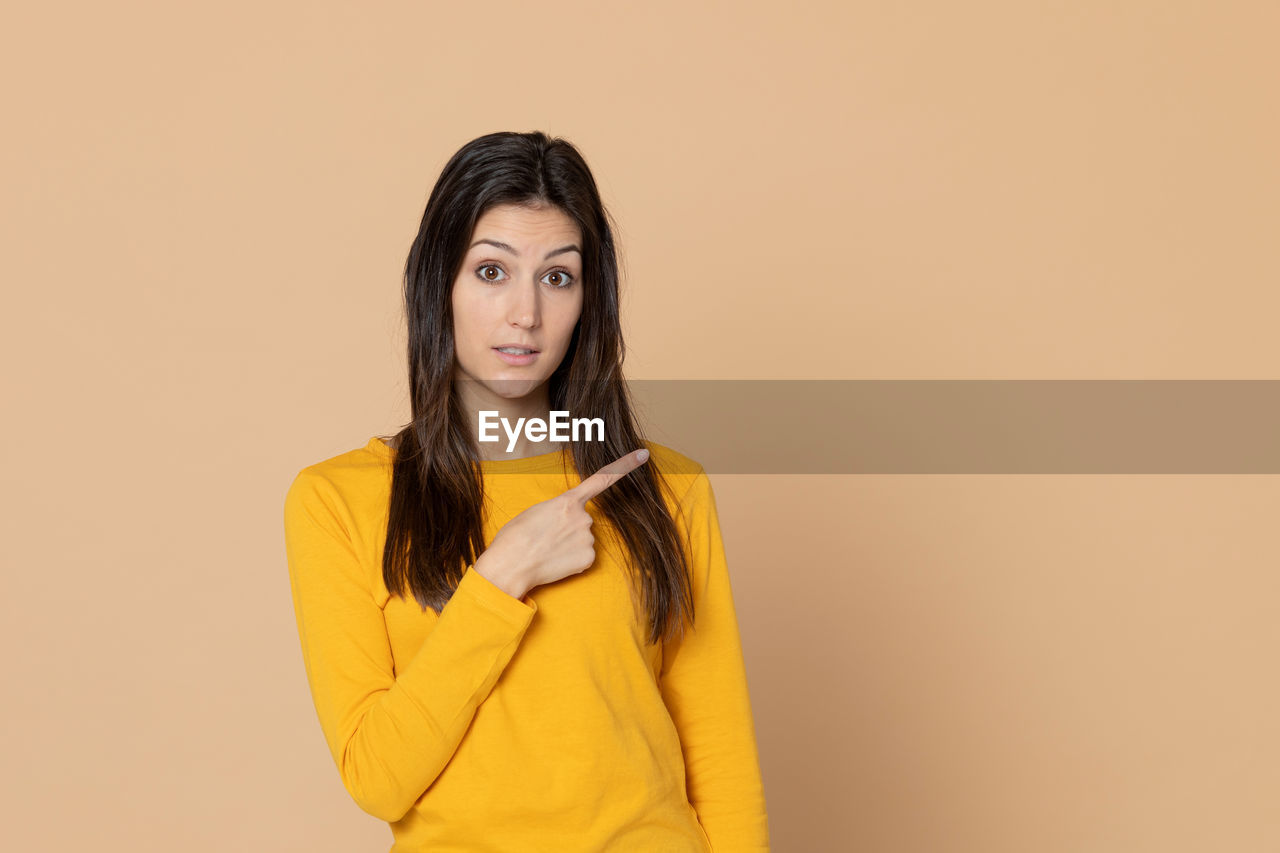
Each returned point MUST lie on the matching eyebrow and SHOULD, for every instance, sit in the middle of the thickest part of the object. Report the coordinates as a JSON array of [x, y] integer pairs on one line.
[[569, 248]]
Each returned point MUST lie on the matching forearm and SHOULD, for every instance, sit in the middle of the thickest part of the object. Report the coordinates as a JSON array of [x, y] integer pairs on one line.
[[407, 734]]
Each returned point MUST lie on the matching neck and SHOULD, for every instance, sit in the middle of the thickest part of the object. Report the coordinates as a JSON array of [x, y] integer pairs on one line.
[[475, 398]]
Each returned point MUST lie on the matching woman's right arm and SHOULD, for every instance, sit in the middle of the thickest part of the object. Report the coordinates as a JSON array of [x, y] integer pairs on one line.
[[389, 736]]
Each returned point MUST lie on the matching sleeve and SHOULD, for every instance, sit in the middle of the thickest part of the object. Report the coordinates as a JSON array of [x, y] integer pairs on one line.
[[704, 685], [390, 737]]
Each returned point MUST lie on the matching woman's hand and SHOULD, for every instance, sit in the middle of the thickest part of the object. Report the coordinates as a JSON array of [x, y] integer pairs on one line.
[[552, 539]]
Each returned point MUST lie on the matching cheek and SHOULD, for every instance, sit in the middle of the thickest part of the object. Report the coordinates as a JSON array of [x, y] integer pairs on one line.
[[561, 327], [576, 318], [572, 314], [461, 311], [468, 316]]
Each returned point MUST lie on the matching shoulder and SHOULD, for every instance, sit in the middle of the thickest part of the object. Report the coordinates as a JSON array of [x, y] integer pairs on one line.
[[348, 483], [683, 474], [671, 462]]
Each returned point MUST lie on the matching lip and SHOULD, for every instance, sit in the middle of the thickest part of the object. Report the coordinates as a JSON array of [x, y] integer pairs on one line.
[[516, 360]]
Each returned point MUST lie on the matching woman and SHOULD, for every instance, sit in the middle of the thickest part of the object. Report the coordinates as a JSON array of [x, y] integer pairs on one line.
[[487, 673]]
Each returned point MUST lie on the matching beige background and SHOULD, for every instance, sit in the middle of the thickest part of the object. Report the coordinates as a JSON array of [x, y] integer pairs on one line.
[[206, 213]]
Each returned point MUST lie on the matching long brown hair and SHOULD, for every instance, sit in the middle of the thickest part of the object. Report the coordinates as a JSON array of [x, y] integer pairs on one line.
[[434, 526]]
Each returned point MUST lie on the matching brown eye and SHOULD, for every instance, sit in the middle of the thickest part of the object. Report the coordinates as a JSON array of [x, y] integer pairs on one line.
[[566, 279]]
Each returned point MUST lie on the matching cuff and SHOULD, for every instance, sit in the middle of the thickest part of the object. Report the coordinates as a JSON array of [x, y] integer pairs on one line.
[[517, 611]]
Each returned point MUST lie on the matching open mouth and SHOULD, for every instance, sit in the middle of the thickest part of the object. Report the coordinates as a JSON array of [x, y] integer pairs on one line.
[[516, 355]]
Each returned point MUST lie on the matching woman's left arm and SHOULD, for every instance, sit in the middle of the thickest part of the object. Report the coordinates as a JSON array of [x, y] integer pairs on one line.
[[704, 685]]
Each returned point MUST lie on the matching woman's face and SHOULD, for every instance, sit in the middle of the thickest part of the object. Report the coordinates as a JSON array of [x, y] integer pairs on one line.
[[520, 285]]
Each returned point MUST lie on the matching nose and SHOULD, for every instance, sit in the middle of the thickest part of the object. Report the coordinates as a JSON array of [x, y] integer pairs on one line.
[[523, 310]]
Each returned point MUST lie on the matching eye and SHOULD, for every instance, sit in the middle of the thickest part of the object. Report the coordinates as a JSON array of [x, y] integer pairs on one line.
[[566, 278]]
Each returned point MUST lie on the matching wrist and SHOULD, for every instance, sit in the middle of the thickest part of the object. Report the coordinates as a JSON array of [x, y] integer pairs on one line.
[[504, 579]]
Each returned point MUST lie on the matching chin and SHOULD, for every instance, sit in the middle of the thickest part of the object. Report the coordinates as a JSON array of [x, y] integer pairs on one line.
[[513, 388]]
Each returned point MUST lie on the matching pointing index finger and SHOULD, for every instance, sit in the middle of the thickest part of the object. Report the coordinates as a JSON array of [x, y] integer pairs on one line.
[[608, 475]]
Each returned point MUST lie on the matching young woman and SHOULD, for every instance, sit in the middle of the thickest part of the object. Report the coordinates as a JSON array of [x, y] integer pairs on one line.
[[504, 654]]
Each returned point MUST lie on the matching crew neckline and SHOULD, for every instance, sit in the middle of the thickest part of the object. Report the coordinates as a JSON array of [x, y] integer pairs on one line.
[[551, 461]]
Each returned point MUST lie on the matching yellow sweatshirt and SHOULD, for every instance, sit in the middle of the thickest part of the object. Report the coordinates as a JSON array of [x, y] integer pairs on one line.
[[546, 723]]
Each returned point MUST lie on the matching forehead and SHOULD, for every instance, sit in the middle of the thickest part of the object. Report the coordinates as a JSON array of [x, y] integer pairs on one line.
[[525, 228]]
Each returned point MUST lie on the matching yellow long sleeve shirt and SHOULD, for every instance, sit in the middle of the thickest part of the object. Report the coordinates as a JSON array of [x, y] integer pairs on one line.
[[546, 723]]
